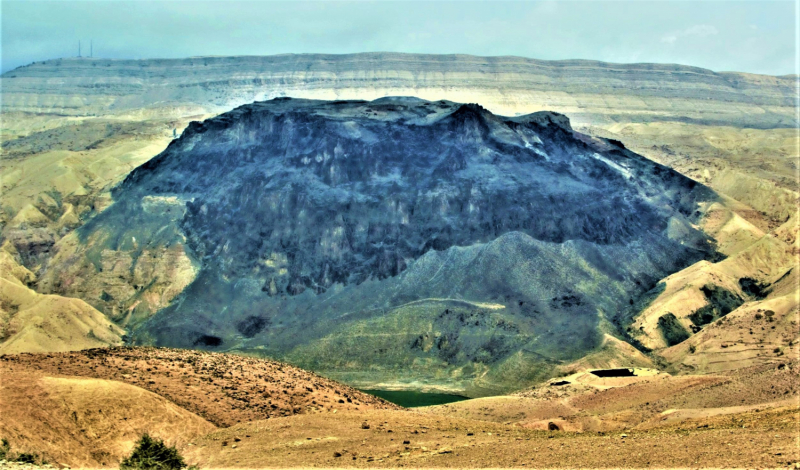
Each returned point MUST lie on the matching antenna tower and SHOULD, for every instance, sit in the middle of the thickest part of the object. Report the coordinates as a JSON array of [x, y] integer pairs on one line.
[[91, 48], [79, 48]]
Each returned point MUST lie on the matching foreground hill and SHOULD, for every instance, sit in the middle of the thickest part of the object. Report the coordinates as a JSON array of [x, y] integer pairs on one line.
[[223, 389], [85, 422], [86, 409], [395, 240], [764, 438]]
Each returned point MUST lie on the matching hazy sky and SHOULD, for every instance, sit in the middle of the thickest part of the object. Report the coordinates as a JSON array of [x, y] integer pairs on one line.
[[750, 36]]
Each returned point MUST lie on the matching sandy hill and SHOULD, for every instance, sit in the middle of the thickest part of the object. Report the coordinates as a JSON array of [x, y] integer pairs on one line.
[[84, 422], [87, 408], [33, 322], [223, 389]]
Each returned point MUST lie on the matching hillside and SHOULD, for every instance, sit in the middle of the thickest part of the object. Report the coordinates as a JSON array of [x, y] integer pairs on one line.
[[585, 402], [86, 409], [72, 129], [33, 322], [477, 245], [223, 389]]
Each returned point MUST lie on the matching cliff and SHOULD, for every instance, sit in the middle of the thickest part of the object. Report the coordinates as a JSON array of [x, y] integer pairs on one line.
[[396, 240]]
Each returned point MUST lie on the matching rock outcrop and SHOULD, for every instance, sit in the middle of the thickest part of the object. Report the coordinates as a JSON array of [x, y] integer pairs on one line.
[[589, 92], [368, 240], [77, 126], [74, 128]]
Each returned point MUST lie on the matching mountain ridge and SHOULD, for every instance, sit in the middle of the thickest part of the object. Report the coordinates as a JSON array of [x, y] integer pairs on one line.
[[255, 78], [292, 212]]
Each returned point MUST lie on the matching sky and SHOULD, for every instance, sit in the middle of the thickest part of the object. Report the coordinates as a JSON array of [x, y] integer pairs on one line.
[[721, 35]]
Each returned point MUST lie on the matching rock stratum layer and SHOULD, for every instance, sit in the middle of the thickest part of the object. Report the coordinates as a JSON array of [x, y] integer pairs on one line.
[[427, 244], [75, 127], [589, 91]]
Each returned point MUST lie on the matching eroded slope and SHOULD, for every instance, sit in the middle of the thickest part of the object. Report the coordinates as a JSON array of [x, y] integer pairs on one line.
[[223, 389], [479, 246]]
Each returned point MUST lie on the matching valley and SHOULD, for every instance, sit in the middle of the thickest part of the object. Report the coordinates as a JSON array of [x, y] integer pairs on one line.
[[227, 252], [386, 242]]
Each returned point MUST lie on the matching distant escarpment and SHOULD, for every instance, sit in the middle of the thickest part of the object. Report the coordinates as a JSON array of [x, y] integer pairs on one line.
[[398, 242], [590, 92]]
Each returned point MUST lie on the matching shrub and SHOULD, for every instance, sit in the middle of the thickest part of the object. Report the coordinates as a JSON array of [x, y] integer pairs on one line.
[[153, 454], [26, 457], [5, 448]]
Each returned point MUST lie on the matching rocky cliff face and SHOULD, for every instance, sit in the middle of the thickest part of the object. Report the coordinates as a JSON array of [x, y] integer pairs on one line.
[[76, 127], [398, 240], [589, 92]]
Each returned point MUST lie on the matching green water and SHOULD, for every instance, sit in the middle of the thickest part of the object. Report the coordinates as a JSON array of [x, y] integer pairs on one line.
[[409, 399]]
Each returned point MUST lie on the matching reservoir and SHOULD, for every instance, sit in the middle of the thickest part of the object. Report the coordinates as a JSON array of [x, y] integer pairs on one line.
[[411, 399]]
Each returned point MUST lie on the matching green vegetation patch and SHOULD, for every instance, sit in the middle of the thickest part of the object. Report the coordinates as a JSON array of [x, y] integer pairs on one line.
[[153, 454], [672, 329]]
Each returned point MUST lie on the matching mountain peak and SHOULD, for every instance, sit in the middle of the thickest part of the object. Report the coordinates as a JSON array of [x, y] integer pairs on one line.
[[304, 218]]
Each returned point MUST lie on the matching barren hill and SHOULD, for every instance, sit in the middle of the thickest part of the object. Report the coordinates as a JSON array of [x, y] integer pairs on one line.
[[223, 389], [469, 242], [77, 410], [84, 422], [74, 128]]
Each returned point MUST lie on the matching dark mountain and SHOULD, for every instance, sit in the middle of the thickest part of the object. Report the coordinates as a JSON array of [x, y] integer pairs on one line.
[[398, 242]]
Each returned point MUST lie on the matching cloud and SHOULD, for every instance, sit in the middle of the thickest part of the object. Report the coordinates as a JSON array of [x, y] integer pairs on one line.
[[697, 31]]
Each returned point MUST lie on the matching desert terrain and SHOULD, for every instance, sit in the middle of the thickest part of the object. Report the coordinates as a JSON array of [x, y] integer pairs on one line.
[[691, 301], [66, 146], [86, 409]]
